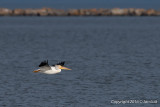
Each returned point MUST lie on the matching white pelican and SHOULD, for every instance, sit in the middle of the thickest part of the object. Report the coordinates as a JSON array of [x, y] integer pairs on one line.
[[44, 67]]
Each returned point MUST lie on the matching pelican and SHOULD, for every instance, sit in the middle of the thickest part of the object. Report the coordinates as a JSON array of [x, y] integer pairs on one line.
[[44, 67]]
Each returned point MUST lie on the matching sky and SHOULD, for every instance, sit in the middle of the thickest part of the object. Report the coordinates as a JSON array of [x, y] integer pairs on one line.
[[77, 4]]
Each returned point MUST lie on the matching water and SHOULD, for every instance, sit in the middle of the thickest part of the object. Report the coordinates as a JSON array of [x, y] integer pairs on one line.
[[112, 58], [78, 4]]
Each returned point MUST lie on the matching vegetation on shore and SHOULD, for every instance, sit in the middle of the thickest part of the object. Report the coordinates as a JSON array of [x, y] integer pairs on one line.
[[79, 12]]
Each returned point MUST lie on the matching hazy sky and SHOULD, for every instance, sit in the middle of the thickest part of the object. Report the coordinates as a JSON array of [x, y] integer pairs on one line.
[[65, 4]]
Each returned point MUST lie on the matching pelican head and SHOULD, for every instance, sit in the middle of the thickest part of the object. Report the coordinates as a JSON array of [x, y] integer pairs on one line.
[[62, 67]]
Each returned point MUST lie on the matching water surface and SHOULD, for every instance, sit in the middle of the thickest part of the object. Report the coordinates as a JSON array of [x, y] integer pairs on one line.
[[112, 58]]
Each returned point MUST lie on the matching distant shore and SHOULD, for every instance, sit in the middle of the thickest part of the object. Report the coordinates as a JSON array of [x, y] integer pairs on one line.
[[79, 12]]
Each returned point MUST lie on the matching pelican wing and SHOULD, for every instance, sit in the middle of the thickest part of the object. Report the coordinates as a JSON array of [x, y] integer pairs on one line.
[[44, 66], [44, 63], [60, 63]]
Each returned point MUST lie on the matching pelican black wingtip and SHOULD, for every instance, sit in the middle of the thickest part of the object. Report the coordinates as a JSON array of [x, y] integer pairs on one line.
[[44, 63], [61, 63]]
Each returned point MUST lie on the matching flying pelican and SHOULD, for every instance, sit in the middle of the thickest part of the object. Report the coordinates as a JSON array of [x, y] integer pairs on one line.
[[44, 67]]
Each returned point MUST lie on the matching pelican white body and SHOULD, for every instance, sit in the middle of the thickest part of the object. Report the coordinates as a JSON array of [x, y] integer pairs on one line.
[[52, 71]]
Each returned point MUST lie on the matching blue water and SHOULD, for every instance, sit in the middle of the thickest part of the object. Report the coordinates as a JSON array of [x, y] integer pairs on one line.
[[112, 58], [68, 4]]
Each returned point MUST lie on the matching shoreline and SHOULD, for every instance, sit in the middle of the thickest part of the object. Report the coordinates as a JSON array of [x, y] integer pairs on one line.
[[80, 12]]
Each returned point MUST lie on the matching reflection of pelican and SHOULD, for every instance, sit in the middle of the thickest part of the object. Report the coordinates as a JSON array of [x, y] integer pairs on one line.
[[47, 69]]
